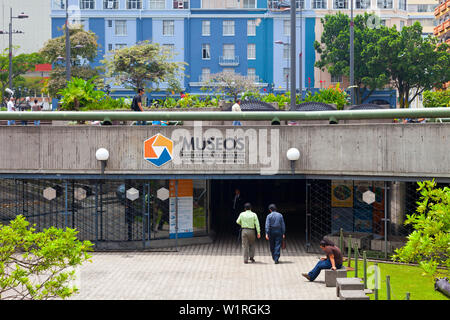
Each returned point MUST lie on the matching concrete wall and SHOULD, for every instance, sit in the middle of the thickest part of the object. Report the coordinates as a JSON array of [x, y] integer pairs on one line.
[[407, 150]]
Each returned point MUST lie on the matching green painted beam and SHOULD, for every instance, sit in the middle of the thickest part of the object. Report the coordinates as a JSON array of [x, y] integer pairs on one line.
[[218, 115]]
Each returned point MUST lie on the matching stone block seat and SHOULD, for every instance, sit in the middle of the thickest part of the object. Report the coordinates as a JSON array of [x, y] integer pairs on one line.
[[353, 295], [332, 275], [348, 284]]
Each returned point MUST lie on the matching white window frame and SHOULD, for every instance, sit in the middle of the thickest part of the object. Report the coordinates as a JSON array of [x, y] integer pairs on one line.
[[286, 28], [362, 4], [247, 5], [385, 4], [251, 27], [156, 4], [251, 74], [286, 51], [106, 4], [134, 4], [87, 4], [120, 28], [206, 51], [228, 28], [251, 51], [168, 28], [286, 72], [319, 4], [206, 28], [206, 74], [227, 49], [337, 4], [336, 79], [118, 46]]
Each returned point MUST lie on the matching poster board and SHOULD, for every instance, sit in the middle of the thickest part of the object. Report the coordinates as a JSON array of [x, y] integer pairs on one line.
[[185, 209], [341, 194]]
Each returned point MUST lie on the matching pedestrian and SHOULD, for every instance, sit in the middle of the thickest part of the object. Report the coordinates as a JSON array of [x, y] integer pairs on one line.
[[136, 104], [36, 107], [236, 108], [248, 220], [238, 205], [11, 108], [275, 232], [27, 105], [332, 261]]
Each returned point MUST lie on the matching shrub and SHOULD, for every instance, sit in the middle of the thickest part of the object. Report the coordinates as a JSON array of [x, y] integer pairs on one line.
[[436, 99], [79, 93], [330, 95]]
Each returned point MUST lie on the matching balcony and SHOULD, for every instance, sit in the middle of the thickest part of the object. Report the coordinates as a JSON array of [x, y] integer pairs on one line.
[[435, 31], [441, 9], [228, 61]]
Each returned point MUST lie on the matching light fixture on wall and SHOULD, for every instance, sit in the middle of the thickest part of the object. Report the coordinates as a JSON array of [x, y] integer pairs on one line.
[[102, 155], [293, 154]]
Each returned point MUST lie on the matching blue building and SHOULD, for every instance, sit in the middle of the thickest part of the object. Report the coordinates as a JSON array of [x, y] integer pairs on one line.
[[249, 37]]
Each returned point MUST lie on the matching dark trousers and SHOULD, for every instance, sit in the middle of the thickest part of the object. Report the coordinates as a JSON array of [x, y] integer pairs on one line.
[[321, 265], [275, 238]]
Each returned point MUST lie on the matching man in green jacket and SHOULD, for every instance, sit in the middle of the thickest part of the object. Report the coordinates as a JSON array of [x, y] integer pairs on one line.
[[248, 220]]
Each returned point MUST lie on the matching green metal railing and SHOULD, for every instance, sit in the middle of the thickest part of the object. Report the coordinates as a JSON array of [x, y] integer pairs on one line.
[[218, 116]]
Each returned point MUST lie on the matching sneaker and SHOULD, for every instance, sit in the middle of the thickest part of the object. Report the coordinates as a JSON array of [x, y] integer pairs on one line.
[[306, 276], [276, 262], [252, 260]]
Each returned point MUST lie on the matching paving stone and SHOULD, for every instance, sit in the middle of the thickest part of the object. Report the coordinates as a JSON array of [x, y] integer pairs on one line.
[[348, 284]]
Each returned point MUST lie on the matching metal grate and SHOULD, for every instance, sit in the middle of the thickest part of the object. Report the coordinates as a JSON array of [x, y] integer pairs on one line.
[[313, 106]]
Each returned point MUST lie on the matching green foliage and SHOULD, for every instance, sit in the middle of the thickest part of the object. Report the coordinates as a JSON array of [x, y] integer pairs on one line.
[[107, 103], [79, 93], [436, 99], [230, 84], [330, 95], [188, 101], [429, 243], [39, 265], [83, 48], [143, 66]]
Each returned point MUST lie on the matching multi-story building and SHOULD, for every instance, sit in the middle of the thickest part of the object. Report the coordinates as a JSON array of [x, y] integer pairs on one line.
[[249, 37], [442, 30], [422, 11], [29, 35]]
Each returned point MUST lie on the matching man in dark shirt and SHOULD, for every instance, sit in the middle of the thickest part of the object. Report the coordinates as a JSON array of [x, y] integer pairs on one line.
[[136, 105], [332, 261], [275, 231]]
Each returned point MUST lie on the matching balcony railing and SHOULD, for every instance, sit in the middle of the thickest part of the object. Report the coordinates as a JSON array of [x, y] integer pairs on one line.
[[229, 61], [442, 9]]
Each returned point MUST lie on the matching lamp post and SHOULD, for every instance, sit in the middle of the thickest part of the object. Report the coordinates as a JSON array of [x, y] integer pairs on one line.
[[102, 155], [293, 154], [68, 76], [20, 16], [287, 76], [352, 57], [293, 55]]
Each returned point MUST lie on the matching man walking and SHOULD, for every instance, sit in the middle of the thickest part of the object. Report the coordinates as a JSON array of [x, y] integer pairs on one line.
[[236, 108], [275, 231], [248, 220], [11, 108], [136, 104]]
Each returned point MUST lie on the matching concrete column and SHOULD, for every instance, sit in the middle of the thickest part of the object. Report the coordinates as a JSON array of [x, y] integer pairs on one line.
[[397, 195]]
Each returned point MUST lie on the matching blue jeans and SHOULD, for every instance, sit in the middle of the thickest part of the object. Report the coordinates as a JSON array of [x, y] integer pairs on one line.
[[237, 123], [321, 265], [11, 122], [141, 123], [37, 122], [275, 238]]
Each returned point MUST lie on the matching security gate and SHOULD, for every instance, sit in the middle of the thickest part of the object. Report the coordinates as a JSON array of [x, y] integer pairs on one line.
[[102, 211]]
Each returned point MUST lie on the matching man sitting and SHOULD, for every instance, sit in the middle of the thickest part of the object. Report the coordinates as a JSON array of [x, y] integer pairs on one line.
[[332, 261]]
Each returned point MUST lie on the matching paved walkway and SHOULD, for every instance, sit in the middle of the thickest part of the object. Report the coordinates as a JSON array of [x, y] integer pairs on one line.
[[210, 272]]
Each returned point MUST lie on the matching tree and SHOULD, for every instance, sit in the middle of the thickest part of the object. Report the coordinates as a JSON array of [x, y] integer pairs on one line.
[[79, 93], [21, 64], [143, 65], [39, 265], [429, 243], [413, 62], [230, 84], [83, 48], [334, 51]]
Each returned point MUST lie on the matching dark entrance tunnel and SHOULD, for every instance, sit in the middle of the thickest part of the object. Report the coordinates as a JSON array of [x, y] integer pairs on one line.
[[288, 195]]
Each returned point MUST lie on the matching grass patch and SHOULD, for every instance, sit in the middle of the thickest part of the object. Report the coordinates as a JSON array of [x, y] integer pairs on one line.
[[403, 279]]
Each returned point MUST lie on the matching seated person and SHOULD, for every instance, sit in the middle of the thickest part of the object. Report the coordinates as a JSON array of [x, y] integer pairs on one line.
[[332, 261]]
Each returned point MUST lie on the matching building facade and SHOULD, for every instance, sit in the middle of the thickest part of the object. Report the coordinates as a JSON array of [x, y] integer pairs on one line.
[[442, 30]]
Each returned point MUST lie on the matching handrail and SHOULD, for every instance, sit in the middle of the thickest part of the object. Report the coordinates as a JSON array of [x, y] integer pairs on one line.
[[214, 115]]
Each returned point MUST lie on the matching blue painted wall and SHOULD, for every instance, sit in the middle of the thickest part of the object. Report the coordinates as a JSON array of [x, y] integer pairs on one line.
[[144, 29], [97, 25]]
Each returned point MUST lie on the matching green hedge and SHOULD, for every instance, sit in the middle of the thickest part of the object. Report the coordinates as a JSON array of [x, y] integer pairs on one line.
[[436, 99]]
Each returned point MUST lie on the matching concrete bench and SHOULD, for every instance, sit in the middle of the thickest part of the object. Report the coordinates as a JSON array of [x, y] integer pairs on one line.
[[332, 275], [348, 284], [353, 295]]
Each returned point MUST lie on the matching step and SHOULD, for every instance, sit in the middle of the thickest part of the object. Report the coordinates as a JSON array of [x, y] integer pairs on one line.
[[353, 295], [348, 284], [332, 275]]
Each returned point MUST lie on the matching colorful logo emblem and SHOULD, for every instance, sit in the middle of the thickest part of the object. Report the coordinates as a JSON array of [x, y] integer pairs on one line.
[[158, 150]]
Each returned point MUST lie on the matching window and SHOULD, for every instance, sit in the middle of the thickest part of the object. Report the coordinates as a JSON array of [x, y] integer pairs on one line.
[[286, 27], [87, 4], [286, 51], [228, 28], [249, 4], [336, 79], [59, 4], [110, 47], [340, 4], [299, 3], [120, 45], [402, 24], [109, 23], [134, 4], [228, 51], [319, 4], [179, 4], [206, 73], [157, 4], [286, 72], [402, 5], [362, 4], [228, 70], [251, 51], [206, 28], [168, 28], [251, 74], [206, 51], [110, 4], [385, 4], [251, 27], [120, 28]]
